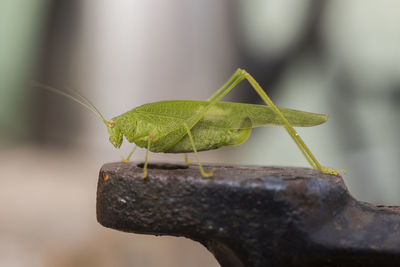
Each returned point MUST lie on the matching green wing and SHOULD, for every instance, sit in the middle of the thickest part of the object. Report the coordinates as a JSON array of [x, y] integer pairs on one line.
[[230, 115], [236, 116]]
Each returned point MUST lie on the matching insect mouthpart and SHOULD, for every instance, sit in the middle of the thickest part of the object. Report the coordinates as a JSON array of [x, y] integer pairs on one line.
[[115, 133]]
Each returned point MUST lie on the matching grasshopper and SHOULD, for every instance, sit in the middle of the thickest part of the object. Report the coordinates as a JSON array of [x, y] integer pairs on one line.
[[183, 126]]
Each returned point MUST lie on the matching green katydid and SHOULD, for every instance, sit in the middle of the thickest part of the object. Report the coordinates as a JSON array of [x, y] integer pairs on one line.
[[183, 126]]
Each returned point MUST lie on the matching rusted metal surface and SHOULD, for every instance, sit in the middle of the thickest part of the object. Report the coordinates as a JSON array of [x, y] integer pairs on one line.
[[252, 216]]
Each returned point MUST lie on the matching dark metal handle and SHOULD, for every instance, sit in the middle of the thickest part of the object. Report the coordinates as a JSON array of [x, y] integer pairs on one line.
[[252, 216]]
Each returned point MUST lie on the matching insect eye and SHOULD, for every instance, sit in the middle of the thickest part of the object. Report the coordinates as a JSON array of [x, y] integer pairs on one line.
[[111, 124]]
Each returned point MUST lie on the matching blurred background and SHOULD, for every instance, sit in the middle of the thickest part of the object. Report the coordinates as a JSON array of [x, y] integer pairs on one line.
[[335, 57]]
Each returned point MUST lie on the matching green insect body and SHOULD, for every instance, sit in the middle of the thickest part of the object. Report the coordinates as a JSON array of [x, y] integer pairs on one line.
[[223, 125], [182, 126]]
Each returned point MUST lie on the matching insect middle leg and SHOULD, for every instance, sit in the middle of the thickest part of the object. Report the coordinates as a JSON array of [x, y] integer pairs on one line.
[[144, 175], [203, 173]]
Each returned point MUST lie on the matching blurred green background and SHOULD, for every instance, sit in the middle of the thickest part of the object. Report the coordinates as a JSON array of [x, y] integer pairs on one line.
[[335, 57]]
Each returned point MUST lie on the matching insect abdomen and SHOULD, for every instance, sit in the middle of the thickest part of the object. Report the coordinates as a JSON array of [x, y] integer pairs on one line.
[[207, 139]]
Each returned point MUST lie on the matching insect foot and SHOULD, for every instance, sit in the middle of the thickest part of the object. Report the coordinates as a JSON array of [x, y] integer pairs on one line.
[[207, 174], [187, 160], [332, 171]]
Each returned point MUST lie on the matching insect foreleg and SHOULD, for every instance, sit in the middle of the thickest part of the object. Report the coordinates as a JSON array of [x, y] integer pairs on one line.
[[130, 155], [203, 173], [144, 175]]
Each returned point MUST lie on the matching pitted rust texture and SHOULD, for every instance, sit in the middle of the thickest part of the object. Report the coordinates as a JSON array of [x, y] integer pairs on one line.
[[252, 216]]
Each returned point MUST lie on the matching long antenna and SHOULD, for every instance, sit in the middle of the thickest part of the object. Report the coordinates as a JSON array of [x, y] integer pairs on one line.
[[87, 101], [88, 105]]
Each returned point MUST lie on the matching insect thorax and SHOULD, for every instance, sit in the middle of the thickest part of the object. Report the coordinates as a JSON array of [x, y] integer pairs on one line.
[[127, 125]]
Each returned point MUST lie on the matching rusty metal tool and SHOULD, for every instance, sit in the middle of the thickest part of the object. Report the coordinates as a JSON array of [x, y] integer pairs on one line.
[[252, 216]]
